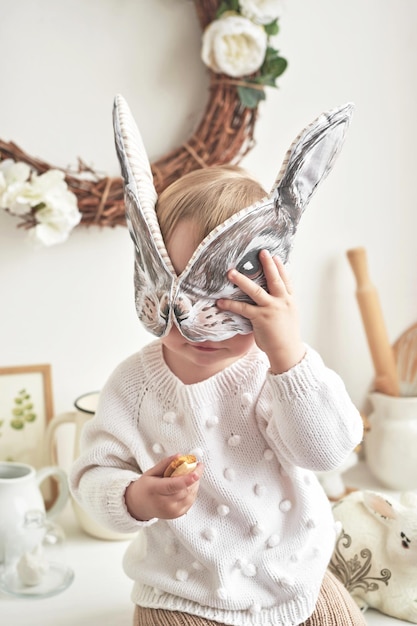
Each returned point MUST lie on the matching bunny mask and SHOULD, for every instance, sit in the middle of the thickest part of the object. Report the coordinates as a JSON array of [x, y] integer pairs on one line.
[[189, 301]]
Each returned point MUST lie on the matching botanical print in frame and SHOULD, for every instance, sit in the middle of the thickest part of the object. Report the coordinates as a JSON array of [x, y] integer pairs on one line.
[[26, 407]]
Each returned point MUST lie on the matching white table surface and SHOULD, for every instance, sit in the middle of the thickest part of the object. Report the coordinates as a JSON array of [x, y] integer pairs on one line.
[[100, 592]]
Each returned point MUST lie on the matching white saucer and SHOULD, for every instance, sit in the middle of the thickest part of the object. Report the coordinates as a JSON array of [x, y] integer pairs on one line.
[[57, 579]]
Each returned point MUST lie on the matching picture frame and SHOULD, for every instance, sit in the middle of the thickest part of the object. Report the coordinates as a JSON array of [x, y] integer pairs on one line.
[[26, 407]]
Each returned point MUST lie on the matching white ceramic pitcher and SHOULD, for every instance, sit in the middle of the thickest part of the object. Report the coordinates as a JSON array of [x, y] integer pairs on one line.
[[85, 406], [20, 492], [391, 442]]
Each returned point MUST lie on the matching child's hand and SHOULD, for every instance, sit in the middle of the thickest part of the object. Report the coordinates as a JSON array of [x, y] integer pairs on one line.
[[152, 495], [274, 316]]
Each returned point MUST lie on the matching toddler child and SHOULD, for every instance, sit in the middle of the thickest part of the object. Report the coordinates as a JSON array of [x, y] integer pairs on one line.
[[245, 539]]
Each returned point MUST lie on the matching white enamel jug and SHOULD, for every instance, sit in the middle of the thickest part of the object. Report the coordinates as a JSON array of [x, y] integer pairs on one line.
[[85, 406]]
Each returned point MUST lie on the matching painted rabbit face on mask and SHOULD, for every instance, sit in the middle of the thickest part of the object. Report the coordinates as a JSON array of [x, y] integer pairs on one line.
[[189, 300]]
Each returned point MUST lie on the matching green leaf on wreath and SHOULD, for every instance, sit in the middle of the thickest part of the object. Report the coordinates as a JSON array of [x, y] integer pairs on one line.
[[249, 97], [274, 65], [227, 5], [272, 28], [268, 80]]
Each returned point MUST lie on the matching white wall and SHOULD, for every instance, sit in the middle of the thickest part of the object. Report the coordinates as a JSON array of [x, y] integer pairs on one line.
[[62, 63]]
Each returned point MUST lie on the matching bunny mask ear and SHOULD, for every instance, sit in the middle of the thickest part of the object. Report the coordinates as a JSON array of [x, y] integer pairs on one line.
[[189, 301]]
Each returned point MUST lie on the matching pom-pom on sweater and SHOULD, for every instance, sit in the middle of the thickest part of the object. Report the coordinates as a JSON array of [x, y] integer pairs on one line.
[[254, 547]]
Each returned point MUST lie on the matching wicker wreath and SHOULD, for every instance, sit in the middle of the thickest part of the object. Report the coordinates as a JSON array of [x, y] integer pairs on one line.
[[224, 135]]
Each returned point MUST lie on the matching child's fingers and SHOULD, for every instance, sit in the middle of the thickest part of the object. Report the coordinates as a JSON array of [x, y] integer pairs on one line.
[[274, 272], [159, 468], [278, 283], [179, 486], [236, 306], [283, 274], [249, 287]]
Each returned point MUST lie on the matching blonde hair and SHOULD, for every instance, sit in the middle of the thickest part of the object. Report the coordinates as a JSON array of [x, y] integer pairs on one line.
[[207, 197]]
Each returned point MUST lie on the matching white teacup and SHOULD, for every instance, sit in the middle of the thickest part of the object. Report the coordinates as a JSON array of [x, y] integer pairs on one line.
[[20, 492]]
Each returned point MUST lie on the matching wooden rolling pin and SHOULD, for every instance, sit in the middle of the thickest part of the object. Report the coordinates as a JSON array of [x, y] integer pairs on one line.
[[386, 377]]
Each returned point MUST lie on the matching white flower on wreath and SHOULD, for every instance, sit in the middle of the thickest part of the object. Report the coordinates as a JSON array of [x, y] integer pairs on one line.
[[45, 198], [59, 215], [261, 11], [234, 45], [13, 177]]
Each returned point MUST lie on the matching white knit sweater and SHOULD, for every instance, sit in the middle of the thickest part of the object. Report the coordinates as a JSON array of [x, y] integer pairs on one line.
[[253, 548]]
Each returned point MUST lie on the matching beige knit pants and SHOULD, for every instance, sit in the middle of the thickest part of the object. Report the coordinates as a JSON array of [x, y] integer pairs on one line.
[[335, 607]]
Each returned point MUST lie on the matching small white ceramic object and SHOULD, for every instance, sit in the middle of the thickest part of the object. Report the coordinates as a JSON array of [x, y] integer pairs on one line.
[[35, 563]]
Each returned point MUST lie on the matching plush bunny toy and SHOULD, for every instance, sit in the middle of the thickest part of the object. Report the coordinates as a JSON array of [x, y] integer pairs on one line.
[[376, 553], [189, 300]]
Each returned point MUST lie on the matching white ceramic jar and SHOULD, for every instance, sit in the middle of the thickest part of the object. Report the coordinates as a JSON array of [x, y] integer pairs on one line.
[[391, 443]]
